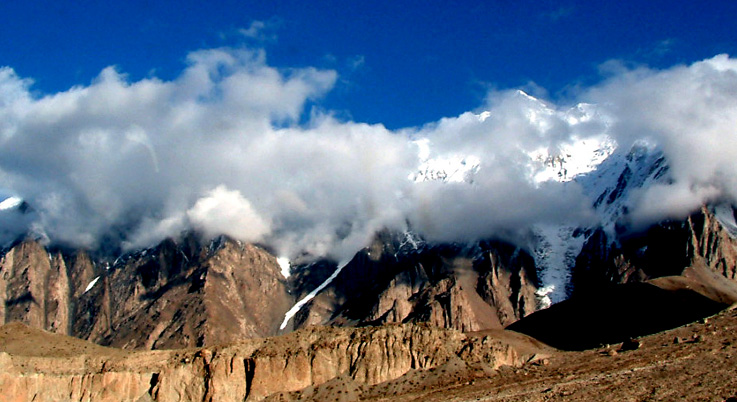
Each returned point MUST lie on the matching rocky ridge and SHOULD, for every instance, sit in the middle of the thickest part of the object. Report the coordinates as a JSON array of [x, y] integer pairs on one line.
[[70, 369]]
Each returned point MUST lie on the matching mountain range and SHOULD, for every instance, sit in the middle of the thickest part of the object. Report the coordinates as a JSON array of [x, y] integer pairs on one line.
[[198, 292]]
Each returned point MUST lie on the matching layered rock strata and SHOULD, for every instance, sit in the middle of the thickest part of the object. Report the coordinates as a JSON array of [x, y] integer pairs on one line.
[[70, 369]]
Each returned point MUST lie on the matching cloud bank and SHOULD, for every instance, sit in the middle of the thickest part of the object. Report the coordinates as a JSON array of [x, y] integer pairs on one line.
[[232, 146], [690, 112]]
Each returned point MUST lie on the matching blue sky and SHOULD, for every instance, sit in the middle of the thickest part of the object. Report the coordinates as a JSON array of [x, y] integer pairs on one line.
[[399, 63]]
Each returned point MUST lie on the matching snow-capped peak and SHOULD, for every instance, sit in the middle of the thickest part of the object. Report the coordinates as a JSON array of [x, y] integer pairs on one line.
[[454, 168], [572, 159], [608, 185], [451, 168]]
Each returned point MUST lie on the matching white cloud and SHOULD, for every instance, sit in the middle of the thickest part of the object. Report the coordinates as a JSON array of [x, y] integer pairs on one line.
[[253, 30], [220, 149], [691, 113], [261, 30], [227, 212]]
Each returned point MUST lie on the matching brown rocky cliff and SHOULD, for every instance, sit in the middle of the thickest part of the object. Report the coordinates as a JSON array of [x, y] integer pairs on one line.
[[170, 299], [81, 271], [34, 288], [713, 244], [249, 370], [245, 293], [509, 283]]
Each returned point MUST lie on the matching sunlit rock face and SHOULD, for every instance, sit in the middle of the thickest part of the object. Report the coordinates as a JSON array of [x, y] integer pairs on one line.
[[64, 368], [174, 295]]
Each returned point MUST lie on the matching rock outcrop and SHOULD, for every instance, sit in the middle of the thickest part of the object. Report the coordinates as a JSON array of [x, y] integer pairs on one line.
[[36, 288], [69, 369]]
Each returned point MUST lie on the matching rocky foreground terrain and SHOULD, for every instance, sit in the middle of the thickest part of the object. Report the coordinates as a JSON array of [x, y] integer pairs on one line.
[[695, 362]]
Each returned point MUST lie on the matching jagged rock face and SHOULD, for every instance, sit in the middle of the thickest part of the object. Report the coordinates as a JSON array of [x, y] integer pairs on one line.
[[35, 288], [698, 245], [185, 294], [174, 295], [250, 370], [509, 283], [468, 289]]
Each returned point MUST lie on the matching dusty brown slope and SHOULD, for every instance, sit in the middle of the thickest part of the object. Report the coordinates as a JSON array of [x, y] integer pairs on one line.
[[21, 340], [696, 362]]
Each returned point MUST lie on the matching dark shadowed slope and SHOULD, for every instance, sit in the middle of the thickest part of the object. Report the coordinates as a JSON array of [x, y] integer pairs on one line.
[[619, 312]]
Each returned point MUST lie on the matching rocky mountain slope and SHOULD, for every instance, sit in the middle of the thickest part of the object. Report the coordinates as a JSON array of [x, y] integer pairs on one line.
[[694, 362], [471, 288], [702, 247], [189, 294]]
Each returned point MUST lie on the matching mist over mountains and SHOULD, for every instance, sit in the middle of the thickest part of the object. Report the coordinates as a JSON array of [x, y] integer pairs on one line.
[[269, 249], [235, 146]]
